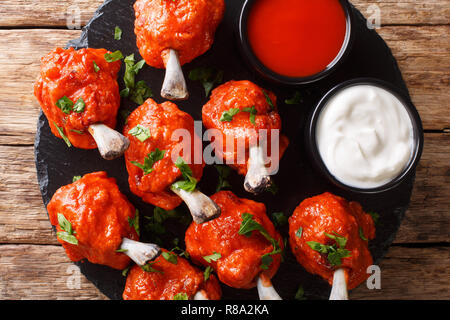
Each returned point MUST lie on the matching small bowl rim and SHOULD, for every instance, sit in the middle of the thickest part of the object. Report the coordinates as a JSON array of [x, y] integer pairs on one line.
[[416, 121], [264, 71]]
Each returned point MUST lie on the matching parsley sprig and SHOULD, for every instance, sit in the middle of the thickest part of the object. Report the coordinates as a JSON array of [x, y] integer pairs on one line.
[[67, 234], [189, 183], [208, 76], [140, 132], [228, 115], [335, 252], [150, 160], [249, 225]]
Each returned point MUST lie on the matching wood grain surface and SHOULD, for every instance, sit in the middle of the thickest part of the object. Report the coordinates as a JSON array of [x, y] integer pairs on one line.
[[32, 263]]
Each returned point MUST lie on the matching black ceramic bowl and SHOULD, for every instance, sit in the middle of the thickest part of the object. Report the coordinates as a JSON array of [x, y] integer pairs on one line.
[[312, 149], [268, 74]]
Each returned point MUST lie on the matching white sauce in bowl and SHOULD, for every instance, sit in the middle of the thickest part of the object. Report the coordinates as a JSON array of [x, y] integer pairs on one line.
[[365, 136]]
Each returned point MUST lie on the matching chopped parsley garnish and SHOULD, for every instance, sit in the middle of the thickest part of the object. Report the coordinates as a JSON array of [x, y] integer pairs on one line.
[[77, 131], [65, 104], [189, 183], [125, 271], [269, 101], [279, 219], [115, 56], [228, 115], [296, 98], [148, 267], [117, 33], [137, 92], [134, 222], [140, 132], [76, 178], [171, 257], [96, 67], [299, 232], [335, 252], [79, 106], [121, 250], [207, 273], [249, 225], [61, 133], [180, 296], [224, 172], [375, 217], [361, 234], [150, 160], [213, 257], [208, 76], [300, 295], [67, 234]]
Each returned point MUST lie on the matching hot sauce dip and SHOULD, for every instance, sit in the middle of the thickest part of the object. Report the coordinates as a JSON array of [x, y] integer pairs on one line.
[[296, 38]]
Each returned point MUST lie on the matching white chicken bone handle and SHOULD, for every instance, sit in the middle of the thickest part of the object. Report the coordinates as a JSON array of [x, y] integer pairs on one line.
[[174, 85], [257, 178], [201, 206], [339, 288], [141, 253], [265, 290], [111, 144]]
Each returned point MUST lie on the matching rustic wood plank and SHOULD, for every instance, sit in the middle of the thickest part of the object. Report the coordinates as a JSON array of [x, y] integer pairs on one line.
[[56, 13], [23, 218], [422, 54], [406, 273]]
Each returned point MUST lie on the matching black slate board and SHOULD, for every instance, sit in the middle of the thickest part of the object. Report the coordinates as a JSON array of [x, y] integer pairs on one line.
[[370, 57]]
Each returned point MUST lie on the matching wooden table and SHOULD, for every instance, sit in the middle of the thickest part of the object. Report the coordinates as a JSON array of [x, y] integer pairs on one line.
[[33, 264]]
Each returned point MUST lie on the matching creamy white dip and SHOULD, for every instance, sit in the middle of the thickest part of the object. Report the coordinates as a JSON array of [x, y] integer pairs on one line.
[[365, 136]]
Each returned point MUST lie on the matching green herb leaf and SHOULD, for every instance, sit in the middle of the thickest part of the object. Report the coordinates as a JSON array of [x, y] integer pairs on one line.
[[63, 136], [180, 296], [279, 219], [125, 271], [172, 258], [269, 101], [125, 113], [207, 273], [189, 183], [361, 234], [150, 160], [300, 295], [299, 232], [121, 250], [134, 222], [115, 56], [249, 225], [272, 188], [77, 131], [76, 178], [228, 115], [336, 252], [296, 99], [148, 268], [69, 238], [64, 224], [375, 217], [96, 67], [141, 92], [65, 104], [79, 106], [140, 132], [208, 76], [213, 257], [117, 33], [252, 112], [224, 172]]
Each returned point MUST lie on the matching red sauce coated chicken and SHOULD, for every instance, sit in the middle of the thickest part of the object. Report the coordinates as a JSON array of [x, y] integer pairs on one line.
[[187, 26], [242, 98], [240, 262], [329, 214], [72, 74], [166, 279], [161, 120], [98, 214]]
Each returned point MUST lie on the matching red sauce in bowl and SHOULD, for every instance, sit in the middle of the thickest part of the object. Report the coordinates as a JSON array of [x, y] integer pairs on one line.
[[296, 38]]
